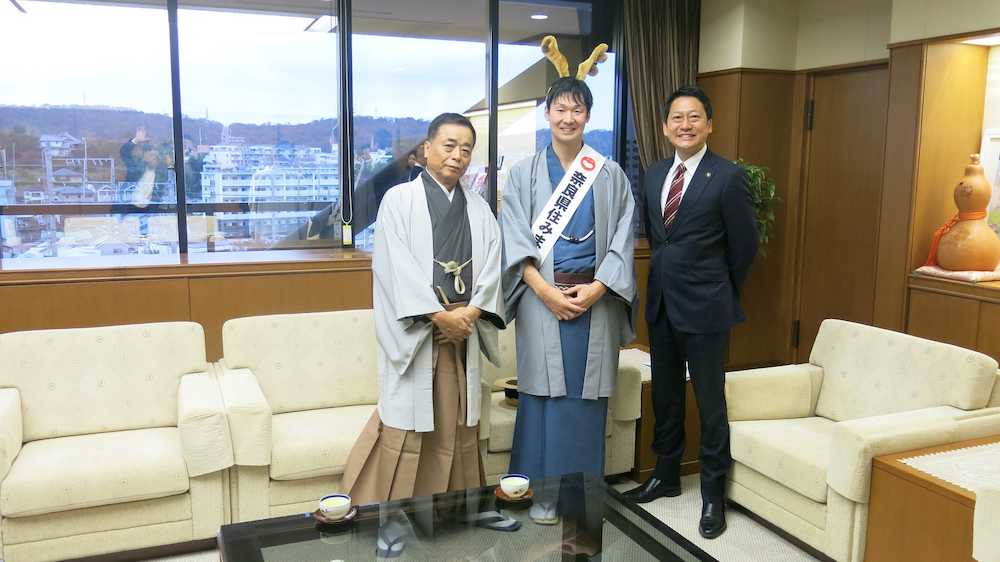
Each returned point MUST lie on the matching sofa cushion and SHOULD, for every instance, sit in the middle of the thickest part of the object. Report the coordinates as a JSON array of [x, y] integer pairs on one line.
[[315, 442], [307, 361], [82, 471], [869, 371], [780, 495], [95, 520], [94, 380], [794, 452]]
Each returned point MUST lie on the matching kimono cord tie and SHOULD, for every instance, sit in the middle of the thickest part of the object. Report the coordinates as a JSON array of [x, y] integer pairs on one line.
[[455, 269]]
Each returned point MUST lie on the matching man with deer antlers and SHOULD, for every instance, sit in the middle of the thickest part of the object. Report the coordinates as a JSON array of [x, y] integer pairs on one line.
[[568, 278]]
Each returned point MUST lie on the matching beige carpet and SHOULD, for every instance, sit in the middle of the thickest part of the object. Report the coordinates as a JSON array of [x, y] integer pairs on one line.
[[745, 540]]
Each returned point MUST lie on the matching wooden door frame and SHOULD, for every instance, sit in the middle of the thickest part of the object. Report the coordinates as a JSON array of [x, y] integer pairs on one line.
[[801, 159]]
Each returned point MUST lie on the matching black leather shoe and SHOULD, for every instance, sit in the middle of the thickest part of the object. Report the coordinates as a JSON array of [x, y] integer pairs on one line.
[[713, 518], [652, 489]]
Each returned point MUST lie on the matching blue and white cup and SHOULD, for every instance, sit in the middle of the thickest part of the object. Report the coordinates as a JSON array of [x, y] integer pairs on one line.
[[335, 506], [514, 485]]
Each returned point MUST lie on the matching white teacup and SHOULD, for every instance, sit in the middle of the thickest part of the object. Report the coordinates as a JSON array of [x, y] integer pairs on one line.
[[514, 485], [335, 506]]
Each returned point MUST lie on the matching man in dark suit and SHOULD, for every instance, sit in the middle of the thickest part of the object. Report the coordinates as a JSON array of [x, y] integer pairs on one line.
[[703, 238]]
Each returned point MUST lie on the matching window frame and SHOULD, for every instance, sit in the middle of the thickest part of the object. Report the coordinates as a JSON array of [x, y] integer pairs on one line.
[[610, 32]]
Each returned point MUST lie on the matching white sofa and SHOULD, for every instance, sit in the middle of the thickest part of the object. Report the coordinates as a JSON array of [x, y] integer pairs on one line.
[[496, 426], [298, 390], [111, 439], [803, 436]]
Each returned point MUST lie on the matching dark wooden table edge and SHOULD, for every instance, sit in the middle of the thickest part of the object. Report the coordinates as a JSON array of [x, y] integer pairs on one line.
[[152, 552], [661, 526]]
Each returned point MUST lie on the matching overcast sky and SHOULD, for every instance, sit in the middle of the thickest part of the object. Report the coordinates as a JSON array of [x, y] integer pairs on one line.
[[242, 67]]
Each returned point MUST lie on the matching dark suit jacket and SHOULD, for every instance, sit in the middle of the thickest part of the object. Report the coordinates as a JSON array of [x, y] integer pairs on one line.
[[697, 268]]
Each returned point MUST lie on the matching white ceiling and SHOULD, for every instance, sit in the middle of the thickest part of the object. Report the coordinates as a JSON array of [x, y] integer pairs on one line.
[[444, 19]]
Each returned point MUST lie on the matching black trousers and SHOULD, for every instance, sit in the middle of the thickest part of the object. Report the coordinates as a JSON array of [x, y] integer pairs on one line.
[[705, 355]]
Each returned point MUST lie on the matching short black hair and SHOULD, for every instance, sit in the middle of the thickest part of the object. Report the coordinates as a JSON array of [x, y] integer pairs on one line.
[[450, 119], [569, 86], [689, 92]]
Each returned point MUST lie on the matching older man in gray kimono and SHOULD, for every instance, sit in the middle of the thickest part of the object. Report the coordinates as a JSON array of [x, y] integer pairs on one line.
[[569, 281], [438, 306]]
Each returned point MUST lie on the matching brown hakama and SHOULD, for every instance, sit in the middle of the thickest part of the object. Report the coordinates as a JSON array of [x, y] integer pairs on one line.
[[388, 463]]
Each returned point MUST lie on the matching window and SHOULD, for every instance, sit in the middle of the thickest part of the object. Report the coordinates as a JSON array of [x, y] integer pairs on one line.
[[411, 62], [86, 134], [525, 75], [261, 147]]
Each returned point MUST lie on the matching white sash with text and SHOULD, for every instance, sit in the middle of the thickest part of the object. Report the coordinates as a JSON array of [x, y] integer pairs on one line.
[[566, 199]]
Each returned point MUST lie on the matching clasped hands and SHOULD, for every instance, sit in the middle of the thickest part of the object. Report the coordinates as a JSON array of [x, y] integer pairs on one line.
[[454, 326], [569, 303]]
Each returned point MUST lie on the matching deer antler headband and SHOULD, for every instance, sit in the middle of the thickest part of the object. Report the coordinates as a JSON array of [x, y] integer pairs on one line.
[[587, 68]]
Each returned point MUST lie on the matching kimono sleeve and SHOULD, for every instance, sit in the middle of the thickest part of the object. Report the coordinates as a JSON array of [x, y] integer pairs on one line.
[[518, 243], [617, 270], [396, 271], [487, 294]]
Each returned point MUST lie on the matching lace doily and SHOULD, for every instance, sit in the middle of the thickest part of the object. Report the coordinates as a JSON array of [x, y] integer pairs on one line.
[[970, 468]]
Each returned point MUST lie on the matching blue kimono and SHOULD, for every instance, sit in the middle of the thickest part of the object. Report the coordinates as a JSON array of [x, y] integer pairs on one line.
[[561, 435]]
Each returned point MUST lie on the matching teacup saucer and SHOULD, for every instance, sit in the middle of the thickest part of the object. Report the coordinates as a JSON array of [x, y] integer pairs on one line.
[[503, 500], [325, 523]]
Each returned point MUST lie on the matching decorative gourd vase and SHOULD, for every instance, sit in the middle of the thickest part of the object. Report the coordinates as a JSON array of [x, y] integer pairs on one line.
[[970, 244]]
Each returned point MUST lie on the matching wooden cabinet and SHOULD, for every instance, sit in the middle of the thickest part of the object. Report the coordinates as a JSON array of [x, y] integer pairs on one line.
[[955, 312], [916, 517]]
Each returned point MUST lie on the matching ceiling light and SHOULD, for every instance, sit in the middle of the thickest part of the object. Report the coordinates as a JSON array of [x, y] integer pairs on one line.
[[987, 41], [539, 17]]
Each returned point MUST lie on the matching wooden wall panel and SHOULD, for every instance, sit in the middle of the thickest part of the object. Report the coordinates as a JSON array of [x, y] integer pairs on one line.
[[87, 304], [988, 340], [944, 318], [217, 299], [724, 91], [842, 197], [765, 128], [902, 127], [950, 130]]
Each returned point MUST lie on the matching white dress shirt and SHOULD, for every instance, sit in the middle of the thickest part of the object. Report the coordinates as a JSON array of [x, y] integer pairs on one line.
[[690, 167]]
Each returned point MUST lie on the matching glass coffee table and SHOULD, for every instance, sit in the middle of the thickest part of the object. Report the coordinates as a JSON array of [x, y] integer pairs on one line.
[[596, 523]]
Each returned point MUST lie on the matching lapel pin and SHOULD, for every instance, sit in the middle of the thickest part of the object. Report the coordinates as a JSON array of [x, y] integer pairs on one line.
[[708, 174]]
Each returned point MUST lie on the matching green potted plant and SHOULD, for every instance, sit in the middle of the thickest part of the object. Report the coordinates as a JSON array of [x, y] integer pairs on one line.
[[764, 198]]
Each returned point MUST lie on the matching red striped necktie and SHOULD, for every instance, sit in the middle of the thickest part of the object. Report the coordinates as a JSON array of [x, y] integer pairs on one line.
[[674, 197]]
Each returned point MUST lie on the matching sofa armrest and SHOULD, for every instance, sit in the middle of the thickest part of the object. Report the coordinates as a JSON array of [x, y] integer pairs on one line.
[[977, 424], [10, 428], [854, 443], [995, 397], [249, 417], [773, 393], [201, 419], [626, 402]]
